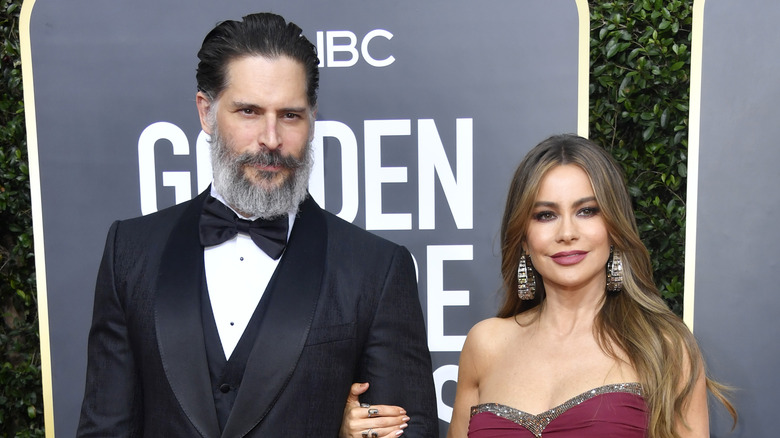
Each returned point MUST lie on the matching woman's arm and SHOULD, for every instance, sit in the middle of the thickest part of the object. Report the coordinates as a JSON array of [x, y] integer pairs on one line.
[[695, 421], [467, 392]]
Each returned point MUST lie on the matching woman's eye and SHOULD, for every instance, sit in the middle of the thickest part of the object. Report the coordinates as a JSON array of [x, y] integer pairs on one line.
[[589, 211], [544, 216]]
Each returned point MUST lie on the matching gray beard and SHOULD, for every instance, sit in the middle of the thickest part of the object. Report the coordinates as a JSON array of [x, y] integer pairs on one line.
[[244, 196]]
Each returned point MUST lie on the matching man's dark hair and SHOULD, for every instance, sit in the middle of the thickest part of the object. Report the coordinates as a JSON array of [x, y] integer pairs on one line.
[[263, 34]]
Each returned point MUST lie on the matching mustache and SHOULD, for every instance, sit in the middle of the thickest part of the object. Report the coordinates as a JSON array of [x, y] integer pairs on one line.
[[269, 158]]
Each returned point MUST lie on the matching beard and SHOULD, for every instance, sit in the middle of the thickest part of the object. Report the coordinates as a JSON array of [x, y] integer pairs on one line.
[[253, 199]]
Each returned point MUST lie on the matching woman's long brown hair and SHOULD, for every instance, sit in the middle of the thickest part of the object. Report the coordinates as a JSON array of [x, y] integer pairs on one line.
[[635, 320]]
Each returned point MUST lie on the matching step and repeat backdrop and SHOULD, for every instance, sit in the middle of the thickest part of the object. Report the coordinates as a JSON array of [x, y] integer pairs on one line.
[[734, 206], [425, 109]]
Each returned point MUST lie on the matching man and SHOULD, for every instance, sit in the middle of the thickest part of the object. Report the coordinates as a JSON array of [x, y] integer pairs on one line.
[[205, 326]]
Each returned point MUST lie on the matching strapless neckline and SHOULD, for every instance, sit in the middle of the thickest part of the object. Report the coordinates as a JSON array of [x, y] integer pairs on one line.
[[537, 423]]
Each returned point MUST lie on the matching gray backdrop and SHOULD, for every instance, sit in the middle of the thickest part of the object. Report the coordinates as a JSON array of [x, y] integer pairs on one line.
[[425, 110], [737, 308]]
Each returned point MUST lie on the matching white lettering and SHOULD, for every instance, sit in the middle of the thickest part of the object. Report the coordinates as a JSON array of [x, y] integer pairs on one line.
[[442, 375], [433, 161], [180, 181], [146, 166], [438, 298], [376, 175], [349, 166], [327, 48], [433, 164], [364, 48], [348, 48], [416, 268], [321, 48], [203, 157]]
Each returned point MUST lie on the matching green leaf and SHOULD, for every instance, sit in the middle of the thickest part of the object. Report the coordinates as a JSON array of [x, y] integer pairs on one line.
[[682, 169], [612, 48]]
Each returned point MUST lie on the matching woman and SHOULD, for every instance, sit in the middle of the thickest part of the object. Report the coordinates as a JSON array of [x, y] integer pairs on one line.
[[583, 345]]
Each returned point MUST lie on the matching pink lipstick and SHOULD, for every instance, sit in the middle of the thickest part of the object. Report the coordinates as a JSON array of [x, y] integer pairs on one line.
[[567, 258]]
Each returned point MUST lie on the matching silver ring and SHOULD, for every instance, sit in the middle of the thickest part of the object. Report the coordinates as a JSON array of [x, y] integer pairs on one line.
[[365, 405], [372, 412]]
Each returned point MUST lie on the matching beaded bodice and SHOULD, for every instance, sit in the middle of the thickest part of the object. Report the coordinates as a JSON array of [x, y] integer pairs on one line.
[[536, 424]]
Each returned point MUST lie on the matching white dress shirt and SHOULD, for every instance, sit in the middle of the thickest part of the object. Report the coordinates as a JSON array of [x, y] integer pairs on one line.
[[237, 274]]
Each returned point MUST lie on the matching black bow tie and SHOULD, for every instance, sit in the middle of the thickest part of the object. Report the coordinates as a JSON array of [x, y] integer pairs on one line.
[[218, 224]]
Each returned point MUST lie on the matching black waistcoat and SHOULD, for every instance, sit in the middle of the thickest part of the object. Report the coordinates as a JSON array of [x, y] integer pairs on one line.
[[226, 374]]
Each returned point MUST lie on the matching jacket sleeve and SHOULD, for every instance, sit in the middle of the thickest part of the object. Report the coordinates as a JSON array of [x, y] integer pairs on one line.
[[396, 361], [112, 396]]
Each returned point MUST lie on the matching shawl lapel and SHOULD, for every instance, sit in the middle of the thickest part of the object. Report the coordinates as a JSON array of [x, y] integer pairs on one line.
[[178, 321], [285, 326]]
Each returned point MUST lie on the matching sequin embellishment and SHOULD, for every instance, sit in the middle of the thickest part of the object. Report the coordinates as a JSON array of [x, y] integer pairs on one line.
[[537, 423]]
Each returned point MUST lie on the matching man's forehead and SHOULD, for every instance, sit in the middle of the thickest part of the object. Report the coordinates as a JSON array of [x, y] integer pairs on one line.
[[259, 67], [233, 62]]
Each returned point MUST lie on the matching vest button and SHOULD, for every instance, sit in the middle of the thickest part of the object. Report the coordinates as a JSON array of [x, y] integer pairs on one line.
[[225, 388]]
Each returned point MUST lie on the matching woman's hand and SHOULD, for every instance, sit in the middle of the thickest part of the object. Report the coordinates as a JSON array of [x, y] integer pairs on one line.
[[362, 420]]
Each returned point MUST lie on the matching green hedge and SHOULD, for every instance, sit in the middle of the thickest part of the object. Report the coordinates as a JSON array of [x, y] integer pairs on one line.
[[639, 88], [21, 406], [640, 62]]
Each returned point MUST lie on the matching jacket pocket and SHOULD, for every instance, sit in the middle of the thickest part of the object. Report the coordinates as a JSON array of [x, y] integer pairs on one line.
[[333, 333]]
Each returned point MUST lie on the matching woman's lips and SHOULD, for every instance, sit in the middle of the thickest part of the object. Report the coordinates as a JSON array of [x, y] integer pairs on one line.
[[569, 257]]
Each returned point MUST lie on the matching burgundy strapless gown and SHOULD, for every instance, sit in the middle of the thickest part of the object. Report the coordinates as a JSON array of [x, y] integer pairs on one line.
[[616, 410]]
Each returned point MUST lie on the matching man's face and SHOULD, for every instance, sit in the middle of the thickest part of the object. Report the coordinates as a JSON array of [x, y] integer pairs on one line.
[[261, 126]]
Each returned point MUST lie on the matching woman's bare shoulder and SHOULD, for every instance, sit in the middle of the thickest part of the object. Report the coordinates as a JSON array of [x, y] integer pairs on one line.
[[491, 325], [513, 324], [491, 333]]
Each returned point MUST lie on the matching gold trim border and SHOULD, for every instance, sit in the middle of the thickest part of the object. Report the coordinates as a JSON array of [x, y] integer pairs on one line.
[[692, 195], [37, 214], [583, 66]]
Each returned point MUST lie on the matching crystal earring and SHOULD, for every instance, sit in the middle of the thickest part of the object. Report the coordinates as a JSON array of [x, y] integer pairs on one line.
[[526, 280], [615, 271]]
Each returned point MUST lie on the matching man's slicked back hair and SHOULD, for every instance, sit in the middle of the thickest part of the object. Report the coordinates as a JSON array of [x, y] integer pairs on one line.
[[263, 34]]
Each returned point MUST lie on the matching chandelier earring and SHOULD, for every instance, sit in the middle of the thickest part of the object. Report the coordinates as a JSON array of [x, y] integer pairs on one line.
[[526, 280], [615, 270]]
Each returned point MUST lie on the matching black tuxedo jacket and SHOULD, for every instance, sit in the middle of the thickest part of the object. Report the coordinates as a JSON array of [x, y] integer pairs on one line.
[[343, 308]]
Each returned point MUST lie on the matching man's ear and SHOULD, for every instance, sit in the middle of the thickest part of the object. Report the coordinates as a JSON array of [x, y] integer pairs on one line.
[[204, 105]]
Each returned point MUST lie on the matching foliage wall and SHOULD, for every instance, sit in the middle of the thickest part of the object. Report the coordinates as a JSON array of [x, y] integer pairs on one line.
[[639, 93], [21, 405], [640, 62]]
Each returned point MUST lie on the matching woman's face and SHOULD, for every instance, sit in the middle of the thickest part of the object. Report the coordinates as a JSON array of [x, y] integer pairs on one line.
[[566, 237]]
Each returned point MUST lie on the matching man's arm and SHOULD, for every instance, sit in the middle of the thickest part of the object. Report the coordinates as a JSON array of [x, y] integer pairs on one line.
[[112, 396], [396, 361]]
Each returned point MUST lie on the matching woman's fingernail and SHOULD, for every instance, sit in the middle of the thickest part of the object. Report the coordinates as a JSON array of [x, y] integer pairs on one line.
[[403, 411], [399, 433]]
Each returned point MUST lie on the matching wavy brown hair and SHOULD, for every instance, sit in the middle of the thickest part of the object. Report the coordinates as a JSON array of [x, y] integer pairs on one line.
[[636, 320]]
